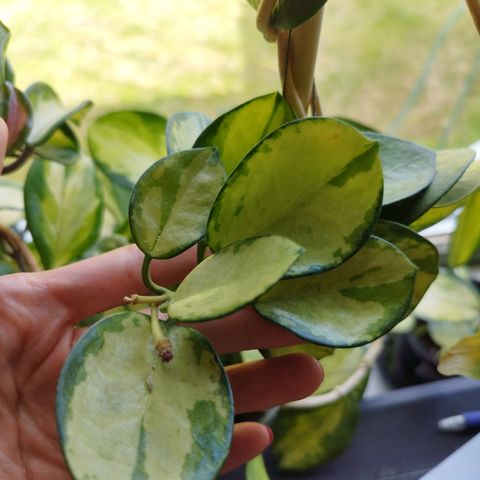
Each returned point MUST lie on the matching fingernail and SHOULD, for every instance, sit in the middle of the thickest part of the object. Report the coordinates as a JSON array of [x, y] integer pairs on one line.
[[270, 435]]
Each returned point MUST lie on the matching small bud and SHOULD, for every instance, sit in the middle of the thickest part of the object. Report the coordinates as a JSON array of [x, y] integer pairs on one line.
[[164, 349]]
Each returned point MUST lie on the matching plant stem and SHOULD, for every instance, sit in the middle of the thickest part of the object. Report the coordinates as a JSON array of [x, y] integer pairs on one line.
[[474, 8], [147, 278], [21, 159], [19, 251], [162, 343]]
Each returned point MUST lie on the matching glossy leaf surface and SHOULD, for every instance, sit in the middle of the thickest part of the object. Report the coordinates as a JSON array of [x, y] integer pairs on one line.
[[465, 240], [450, 166], [48, 112], [289, 14], [418, 249], [62, 147], [232, 278], [463, 358], [64, 209], [449, 299], [433, 216], [239, 130], [353, 304], [172, 200], [408, 168], [305, 439], [183, 129], [306, 181], [124, 144], [123, 413]]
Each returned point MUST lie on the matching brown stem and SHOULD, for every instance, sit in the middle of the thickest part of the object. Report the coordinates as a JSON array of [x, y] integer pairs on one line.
[[21, 159], [474, 7], [18, 250]]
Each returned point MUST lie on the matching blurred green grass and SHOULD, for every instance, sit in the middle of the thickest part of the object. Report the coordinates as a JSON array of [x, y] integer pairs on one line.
[[185, 55]]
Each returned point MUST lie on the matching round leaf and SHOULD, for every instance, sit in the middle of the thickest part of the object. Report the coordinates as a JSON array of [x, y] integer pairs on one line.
[[123, 413], [237, 131], [125, 144], [232, 278], [418, 249], [463, 358], [450, 166], [408, 168], [353, 304], [183, 128], [317, 181], [172, 200]]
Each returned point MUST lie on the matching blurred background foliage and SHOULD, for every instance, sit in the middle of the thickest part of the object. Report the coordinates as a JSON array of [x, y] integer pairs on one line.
[[168, 56]]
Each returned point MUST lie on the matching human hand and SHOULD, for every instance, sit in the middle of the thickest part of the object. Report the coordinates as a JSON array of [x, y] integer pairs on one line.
[[38, 312]]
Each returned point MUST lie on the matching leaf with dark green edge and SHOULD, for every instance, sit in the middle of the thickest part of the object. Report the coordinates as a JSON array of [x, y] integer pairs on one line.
[[465, 240], [4, 39], [353, 304], [463, 358], [306, 438], [358, 125], [11, 201], [232, 278], [63, 206], [172, 200], [317, 351], [288, 14], [433, 216], [124, 144], [122, 413], [49, 113], [446, 334], [418, 249], [449, 299], [255, 469], [62, 147], [183, 129], [408, 168], [306, 181], [468, 184], [235, 133], [450, 166], [9, 72]]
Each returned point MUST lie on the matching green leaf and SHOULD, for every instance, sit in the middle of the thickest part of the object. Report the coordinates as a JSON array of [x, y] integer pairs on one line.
[[256, 470], [183, 129], [4, 39], [124, 144], [317, 351], [289, 14], [122, 413], [48, 112], [9, 72], [232, 278], [465, 241], [62, 147], [172, 200], [463, 358], [418, 249], [408, 168], [237, 131], [433, 216], [353, 304], [306, 438], [64, 210], [317, 181], [446, 334], [450, 166], [11, 201], [449, 299], [466, 186]]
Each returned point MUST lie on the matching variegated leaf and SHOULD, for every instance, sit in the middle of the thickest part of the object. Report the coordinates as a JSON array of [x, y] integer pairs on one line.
[[123, 413], [232, 278], [446, 334], [62, 147], [239, 130], [418, 249], [463, 358], [172, 200], [468, 184], [124, 144], [63, 206], [317, 181], [433, 216], [450, 166], [353, 304], [408, 168], [183, 129]]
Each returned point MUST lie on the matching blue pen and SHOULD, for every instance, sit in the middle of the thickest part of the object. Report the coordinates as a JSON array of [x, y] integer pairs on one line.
[[460, 423]]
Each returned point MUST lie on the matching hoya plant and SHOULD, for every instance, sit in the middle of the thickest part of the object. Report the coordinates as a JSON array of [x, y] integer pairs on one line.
[[311, 220]]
